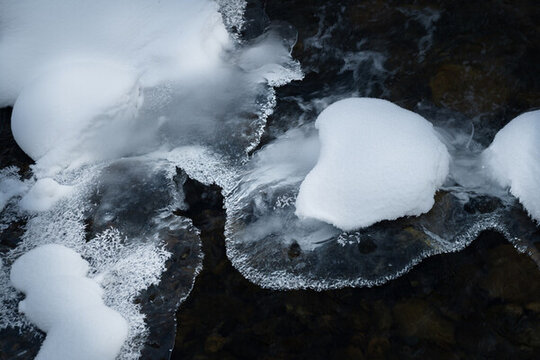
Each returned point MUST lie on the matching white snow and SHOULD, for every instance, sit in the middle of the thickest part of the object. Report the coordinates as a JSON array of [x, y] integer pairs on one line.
[[76, 71], [63, 107], [162, 39], [377, 162], [99, 80], [67, 305], [44, 195], [10, 186], [513, 160]]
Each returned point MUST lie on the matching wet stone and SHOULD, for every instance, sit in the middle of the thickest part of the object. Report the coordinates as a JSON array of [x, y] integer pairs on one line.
[[482, 205], [418, 319], [214, 343], [511, 279], [378, 348], [468, 89]]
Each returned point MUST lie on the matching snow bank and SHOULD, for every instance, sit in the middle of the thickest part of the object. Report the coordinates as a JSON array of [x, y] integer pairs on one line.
[[377, 162], [100, 80], [67, 305], [62, 108], [162, 39], [44, 195], [513, 160]]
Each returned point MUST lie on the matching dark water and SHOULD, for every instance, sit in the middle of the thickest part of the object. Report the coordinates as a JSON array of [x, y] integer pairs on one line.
[[472, 61]]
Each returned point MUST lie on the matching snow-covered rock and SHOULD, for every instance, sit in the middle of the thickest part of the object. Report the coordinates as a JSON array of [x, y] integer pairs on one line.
[[513, 160], [67, 305], [44, 195], [10, 185], [377, 162], [163, 40], [72, 103]]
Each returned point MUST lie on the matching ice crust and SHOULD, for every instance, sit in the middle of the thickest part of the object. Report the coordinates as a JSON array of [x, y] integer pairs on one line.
[[62, 301], [274, 248], [172, 85], [110, 99], [378, 162], [513, 160], [118, 217]]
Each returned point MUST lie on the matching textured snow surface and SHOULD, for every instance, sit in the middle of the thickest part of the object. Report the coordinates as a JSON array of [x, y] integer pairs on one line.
[[44, 195], [377, 162], [62, 301], [513, 160]]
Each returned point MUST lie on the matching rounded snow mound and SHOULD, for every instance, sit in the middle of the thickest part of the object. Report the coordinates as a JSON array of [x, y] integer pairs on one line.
[[377, 162], [65, 105], [67, 305], [513, 160]]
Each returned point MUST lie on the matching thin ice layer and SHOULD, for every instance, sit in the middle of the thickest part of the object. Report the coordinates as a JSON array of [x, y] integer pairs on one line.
[[10, 186], [272, 247], [513, 160], [62, 301], [378, 162]]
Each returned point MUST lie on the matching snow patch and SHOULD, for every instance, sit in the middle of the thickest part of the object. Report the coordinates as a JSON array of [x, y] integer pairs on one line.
[[10, 186], [44, 195], [63, 108], [66, 304], [377, 162], [513, 160]]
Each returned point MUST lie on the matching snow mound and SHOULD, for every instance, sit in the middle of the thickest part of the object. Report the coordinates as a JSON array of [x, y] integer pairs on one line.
[[377, 162], [62, 108], [101, 80], [513, 160], [66, 304], [44, 195], [163, 40]]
